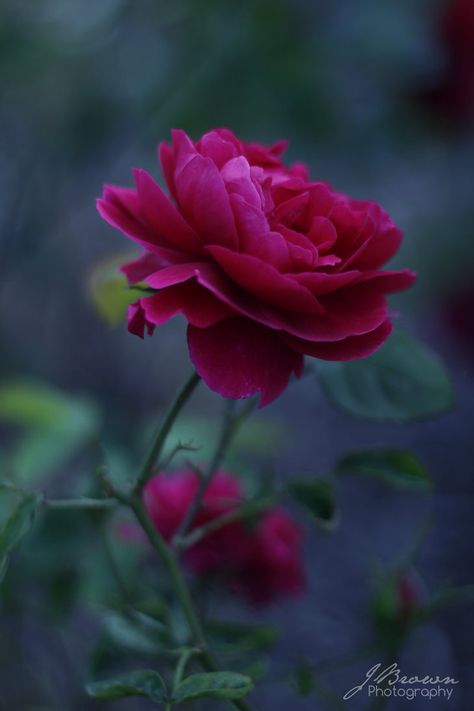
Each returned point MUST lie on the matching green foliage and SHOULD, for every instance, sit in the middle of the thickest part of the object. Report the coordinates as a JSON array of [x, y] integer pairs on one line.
[[240, 638], [222, 685], [52, 426], [138, 683], [396, 467], [128, 635], [16, 527], [109, 290], [304, 678], [316, 497], [403, 381]]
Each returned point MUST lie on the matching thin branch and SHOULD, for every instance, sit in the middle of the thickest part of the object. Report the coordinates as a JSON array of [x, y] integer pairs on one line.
[[229, 429], [160, 439], [81, 503], [171, 563], [248, 508]]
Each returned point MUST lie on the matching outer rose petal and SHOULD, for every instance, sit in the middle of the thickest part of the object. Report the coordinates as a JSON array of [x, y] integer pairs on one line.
[[166, 158], [163, 216], [137, 321], [198, 305], [346, 349], [140, 268], [238, 358]]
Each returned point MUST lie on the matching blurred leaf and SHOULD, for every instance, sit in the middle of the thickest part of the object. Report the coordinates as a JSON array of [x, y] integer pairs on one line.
[[138, 683], [403, 381], [110, 291], [396, 467], [154, 607], [316, 497], [16, 527], [241, 637], [222, 685], [55, 426], [304, 678], [257, 670], [131, 636]]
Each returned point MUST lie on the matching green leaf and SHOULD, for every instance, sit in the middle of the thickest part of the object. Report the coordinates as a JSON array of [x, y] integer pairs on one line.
[[16, 527], [241, 637], [127, 635], [396, 467], [110, 292], [53, 427], [222, 685], [316, 496], [138, 683], [304, 678], [403, 381]]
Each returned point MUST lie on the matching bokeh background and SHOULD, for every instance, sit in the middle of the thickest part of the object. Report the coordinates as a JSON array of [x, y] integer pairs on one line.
[[378, 98]]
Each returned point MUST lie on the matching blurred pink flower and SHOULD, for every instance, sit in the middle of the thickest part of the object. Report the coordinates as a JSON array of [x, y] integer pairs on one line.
[[266, 265], [259, 563], [453, 95]]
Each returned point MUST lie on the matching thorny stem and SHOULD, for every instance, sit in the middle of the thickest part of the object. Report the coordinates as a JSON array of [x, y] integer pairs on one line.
[[170, 560], [229, 429], [165, 427]]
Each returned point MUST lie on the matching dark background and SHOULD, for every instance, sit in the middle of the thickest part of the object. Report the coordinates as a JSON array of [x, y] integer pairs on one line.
[[88, 90]]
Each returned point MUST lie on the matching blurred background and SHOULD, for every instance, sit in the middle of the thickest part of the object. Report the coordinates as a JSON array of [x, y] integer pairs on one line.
[[378, 98]]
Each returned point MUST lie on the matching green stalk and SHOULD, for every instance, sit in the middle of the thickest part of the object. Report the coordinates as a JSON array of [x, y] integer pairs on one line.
[[165, 427], [171, 562]]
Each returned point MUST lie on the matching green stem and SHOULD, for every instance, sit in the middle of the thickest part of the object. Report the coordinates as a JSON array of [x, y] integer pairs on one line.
[[181, 665], [170, 560], [248, 508], [229, 429], [80, 503], [168, 421]]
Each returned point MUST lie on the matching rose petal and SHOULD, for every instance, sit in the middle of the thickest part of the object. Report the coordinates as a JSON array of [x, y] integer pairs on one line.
[[347, 349], [120, 207], [163, 216], [205, 202], [214, 146], [264, 281], [140, 268], [137, 321], [198, 305], [166, 158], [238, 358]]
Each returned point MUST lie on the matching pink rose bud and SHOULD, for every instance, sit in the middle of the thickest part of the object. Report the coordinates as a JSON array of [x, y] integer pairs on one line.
[[410, 597]]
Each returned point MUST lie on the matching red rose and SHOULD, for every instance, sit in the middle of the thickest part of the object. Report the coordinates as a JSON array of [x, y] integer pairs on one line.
[[266, 265], [274, 566], [169, 496], [453, 93], [259, 563]]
